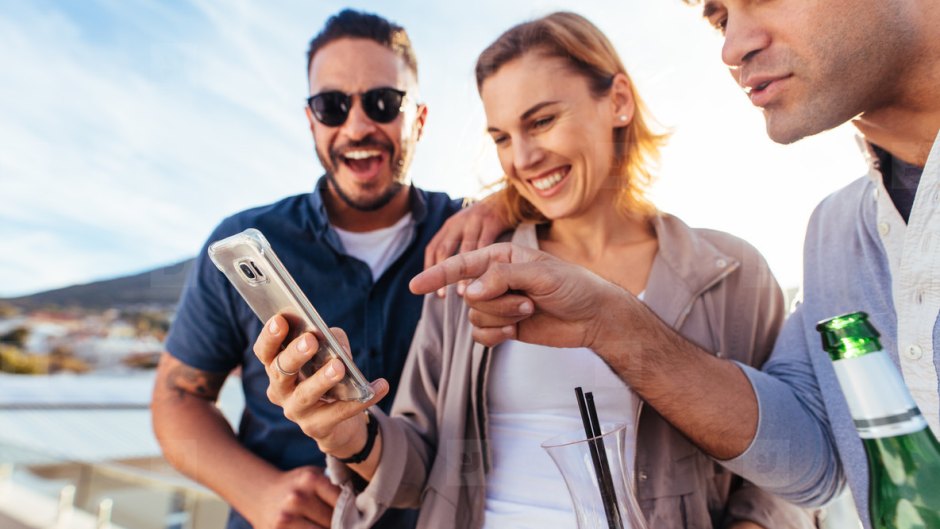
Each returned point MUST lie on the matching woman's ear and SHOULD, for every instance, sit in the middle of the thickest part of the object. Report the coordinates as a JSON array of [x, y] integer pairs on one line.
[[621, 101]]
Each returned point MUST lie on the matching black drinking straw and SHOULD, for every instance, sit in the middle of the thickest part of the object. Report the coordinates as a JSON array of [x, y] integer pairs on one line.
[[601, 466], [606, 477]]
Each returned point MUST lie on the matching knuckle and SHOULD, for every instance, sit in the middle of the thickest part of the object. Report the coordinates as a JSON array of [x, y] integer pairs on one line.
[[273, 395], [289, 413]]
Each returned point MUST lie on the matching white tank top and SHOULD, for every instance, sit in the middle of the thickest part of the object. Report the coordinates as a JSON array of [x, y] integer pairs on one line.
[[531, 398]]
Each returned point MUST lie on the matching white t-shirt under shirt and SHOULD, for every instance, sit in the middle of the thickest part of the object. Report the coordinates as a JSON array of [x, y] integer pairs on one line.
[[379, 248], [531, 398]]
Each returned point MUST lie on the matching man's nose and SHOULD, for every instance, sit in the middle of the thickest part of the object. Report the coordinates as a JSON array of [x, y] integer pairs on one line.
[[358, 125], [745, 36]]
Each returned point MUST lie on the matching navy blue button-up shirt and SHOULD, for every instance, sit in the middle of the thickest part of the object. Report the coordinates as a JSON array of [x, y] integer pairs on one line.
[[214, 329]]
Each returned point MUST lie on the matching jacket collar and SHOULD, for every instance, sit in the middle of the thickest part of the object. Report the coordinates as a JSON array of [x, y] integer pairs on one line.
[[686, 265]]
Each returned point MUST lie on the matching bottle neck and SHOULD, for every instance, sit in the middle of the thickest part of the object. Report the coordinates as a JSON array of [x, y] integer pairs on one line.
[[878, 399]]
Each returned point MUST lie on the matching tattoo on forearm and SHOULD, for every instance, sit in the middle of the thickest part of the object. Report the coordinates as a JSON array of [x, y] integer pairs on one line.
[[185, 380]]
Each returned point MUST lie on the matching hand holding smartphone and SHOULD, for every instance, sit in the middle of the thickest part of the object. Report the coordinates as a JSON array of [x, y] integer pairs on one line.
[[250, 264]]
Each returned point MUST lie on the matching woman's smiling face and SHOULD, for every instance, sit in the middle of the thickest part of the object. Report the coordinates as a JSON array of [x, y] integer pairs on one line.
[[554, 138]]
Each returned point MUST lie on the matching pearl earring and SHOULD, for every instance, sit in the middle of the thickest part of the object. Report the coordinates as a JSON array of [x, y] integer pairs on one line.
[[623, 118]]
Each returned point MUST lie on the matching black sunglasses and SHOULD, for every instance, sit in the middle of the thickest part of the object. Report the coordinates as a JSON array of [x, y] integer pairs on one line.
[[382, 105]]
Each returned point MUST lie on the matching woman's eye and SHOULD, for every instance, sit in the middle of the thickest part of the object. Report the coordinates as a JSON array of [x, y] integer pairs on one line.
[[543, 122], [499, 140]]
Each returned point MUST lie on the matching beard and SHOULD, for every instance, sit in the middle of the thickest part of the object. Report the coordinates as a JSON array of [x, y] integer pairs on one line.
[[365, 204], [369, 204]]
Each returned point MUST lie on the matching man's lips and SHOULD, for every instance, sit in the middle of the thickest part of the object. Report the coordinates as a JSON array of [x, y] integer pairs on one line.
[[762, 89], [365, 164]]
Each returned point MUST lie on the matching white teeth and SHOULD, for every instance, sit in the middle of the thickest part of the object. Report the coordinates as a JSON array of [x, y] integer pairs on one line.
[[547, 182], [361, 155]]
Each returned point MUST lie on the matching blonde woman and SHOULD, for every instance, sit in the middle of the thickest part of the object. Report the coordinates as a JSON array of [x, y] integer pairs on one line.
[[463, 440]]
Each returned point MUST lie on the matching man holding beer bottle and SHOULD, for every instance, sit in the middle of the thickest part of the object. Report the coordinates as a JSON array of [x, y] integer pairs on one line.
[[873, 246]]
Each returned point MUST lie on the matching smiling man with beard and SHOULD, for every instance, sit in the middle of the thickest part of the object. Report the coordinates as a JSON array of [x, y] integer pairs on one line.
[[352, 244]]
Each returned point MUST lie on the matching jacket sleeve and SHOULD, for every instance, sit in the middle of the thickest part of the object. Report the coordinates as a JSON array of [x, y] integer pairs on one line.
[[409, 434], [793, 453], [754, 331]]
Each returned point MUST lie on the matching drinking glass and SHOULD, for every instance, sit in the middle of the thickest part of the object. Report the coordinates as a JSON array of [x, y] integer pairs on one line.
[[596, 505]]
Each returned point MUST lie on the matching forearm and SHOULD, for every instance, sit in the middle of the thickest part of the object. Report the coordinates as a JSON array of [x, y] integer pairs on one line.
[[708, 399], [198, 441]]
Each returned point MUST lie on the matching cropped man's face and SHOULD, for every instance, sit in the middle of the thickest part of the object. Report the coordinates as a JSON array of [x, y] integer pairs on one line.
[[367, 154], [811, 65]]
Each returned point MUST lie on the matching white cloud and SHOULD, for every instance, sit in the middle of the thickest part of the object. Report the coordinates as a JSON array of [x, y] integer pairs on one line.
[[123, 145]]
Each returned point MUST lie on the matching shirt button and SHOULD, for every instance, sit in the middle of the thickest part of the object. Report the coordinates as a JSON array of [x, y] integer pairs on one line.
[[641, 476], [914, 352], [919, 297], [884, 228], [721, 263]]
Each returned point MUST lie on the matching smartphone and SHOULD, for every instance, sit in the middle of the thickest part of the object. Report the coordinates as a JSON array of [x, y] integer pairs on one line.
[[250, 264]]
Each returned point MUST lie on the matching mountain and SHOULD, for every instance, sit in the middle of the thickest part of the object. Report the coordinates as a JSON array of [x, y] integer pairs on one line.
[[160, 286]]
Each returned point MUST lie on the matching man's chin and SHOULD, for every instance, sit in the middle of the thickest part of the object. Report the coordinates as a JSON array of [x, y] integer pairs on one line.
[[369, 200], [782, 130]]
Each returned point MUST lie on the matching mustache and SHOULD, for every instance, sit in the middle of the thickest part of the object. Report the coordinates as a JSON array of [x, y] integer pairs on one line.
[[366, 143]]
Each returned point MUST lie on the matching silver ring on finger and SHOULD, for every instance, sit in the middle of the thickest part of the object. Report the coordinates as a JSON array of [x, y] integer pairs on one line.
[[277, 365]]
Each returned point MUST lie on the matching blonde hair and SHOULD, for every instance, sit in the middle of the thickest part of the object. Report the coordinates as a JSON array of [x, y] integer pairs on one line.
[[574, 38]]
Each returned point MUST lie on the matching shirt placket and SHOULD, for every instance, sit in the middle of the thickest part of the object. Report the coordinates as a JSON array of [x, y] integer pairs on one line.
[[914, 257]]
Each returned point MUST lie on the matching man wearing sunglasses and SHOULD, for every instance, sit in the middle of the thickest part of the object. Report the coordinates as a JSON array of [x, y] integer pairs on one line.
[[352, 245]]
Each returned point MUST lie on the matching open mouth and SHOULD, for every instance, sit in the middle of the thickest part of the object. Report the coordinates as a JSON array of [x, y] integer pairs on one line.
[[548, 182], [364, 162]]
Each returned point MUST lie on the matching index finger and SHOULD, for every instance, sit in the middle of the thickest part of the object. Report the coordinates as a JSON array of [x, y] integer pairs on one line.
[[268, 344], [470, 265]]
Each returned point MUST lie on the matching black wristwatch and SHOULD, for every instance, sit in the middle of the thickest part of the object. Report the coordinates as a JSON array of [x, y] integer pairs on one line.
[[372, 431]]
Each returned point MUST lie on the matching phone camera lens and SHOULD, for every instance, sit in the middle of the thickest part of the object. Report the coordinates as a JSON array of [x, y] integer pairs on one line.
[[247, 271], [256, 269]]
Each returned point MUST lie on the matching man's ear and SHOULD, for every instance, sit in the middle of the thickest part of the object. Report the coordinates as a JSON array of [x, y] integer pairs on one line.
[[420, 119], [310, 118], [621, 101]]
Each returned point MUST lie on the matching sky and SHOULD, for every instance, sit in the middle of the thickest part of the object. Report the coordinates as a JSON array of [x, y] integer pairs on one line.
[[130, 128]]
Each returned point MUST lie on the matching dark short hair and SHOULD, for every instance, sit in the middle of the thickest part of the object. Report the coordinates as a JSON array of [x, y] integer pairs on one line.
[[349, 23]]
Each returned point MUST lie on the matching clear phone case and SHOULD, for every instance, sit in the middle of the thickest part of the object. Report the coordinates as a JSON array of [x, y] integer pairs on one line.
[[253, 268]]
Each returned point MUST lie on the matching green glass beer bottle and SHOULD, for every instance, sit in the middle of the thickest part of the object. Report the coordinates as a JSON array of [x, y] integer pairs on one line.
[[903, 455]]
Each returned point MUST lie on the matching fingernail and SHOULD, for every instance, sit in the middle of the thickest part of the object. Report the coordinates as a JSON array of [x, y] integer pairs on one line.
[[379, 386], [508, 330], [441, 292], [273, 326], [304, 344], [525, 307], [330, 370], [475, 288], [461, 288]]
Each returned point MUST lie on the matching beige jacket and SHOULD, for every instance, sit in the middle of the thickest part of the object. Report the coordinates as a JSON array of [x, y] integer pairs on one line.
[[714, 288]]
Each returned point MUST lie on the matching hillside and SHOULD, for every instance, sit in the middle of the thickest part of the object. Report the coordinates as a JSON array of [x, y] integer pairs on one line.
[[161, 286]]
